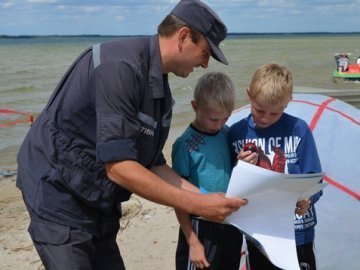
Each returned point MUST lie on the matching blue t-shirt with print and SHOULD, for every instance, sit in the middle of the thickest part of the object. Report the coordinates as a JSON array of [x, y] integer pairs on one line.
[[289, 147]]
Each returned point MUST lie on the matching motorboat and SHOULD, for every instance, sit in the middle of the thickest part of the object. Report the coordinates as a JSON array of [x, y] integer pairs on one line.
[[345, 70], [352, 74]]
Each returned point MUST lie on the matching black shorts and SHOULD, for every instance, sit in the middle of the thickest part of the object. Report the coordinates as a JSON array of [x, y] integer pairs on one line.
[[306, 256], [222, 244], [257, 261]]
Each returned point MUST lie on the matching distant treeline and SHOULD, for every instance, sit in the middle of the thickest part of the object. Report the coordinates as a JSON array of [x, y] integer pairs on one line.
[[229, 35], [287, 34], [52, 36]]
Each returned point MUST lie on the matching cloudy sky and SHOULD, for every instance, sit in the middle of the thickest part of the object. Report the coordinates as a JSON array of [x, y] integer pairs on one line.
[[137, 17]]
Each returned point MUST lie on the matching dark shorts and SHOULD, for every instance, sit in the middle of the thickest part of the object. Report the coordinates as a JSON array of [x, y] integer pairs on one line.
[[222, 244], [257, 261], [306, 256], [61, 247]]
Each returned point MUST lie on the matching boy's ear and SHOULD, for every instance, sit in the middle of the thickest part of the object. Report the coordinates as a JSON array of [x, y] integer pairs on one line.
[[248, 92], [194, 105], [287, 103]]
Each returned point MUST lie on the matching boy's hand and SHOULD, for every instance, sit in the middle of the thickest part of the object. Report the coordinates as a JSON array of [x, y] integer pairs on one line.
[[302, 206], [248, 156], [197, 255]]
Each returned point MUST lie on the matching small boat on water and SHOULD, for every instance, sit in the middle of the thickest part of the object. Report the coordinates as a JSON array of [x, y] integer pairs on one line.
[[345, 70], [352, 74]]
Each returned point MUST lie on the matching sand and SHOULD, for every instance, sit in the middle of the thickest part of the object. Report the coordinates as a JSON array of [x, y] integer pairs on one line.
[[147, 238]]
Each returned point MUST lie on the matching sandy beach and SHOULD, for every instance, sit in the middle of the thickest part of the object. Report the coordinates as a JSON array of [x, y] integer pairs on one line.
[[147, 238]]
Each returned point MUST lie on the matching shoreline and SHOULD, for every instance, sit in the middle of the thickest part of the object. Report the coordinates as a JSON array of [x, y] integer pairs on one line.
[[230, 35]]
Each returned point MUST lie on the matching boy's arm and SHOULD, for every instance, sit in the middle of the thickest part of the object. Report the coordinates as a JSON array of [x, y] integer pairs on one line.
[[302, 206], [314, 198], [310, 161], [165, 172], [196, 249]]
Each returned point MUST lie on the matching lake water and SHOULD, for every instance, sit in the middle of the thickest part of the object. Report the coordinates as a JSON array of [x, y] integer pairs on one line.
[[31, 67]]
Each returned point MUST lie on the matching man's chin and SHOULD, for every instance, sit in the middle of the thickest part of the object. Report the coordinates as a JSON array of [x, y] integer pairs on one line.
[[182, 74]]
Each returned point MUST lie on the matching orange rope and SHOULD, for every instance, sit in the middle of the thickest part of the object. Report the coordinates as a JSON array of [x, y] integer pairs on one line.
[[27, 118]]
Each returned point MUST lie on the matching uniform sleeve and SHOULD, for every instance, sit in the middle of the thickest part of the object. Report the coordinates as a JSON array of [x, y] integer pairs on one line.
[[118, 94], [160, 160]]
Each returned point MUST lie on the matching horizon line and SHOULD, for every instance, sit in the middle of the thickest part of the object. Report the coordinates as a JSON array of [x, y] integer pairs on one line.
[[229, 34]]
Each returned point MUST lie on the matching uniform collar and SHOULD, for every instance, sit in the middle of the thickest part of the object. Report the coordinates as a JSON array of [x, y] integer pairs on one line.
[[156, 78]]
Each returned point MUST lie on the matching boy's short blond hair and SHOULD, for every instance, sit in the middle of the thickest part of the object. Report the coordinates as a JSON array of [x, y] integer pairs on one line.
[[273, 82], [215, 89]]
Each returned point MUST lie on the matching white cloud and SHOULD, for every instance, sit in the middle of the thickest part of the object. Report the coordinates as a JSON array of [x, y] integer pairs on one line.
[[119, 18], [7, 4], [91, 9], [142, 16], [42, 1], [61, 7]]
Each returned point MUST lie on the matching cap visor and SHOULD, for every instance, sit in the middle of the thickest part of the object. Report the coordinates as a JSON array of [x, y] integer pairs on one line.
[[217, 54]]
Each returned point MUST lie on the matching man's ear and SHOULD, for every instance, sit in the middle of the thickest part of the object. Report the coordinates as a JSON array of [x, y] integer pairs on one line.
[[183, 34]]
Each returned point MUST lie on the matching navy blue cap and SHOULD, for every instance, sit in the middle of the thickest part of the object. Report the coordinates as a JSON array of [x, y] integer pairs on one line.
[[202, 18]]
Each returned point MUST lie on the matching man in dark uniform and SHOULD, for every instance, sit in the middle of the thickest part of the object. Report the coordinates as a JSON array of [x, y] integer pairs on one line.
[[100, 138]]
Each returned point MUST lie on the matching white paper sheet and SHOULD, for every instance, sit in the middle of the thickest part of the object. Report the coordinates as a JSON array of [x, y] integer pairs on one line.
[[269, 215]]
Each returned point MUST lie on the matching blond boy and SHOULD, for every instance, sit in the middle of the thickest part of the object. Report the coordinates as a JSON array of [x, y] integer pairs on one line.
[[284, 144]]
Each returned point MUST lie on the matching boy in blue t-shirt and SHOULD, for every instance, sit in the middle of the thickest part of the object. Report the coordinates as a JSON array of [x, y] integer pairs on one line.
[[201, 156], [285, 144]]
